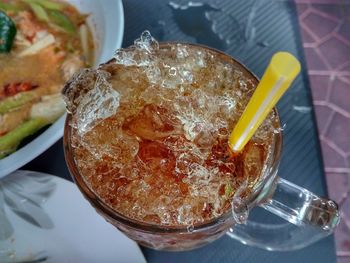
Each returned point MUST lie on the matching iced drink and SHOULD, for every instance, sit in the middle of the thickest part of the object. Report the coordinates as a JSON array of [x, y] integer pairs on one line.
[[149, 132]]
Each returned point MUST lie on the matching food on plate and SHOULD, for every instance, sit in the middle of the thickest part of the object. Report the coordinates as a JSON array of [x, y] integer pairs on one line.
[[42, 44]]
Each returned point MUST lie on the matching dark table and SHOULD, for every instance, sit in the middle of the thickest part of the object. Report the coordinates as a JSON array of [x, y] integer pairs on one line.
[[250, 31]]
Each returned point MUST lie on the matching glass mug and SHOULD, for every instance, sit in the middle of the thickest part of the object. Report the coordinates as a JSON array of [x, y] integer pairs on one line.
[[314, 217]]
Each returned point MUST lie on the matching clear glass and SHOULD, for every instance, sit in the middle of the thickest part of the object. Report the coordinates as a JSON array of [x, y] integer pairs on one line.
[[310, 217]]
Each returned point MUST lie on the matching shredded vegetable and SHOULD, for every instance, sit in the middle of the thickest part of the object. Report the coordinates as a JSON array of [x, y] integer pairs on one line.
[[10, 141], [62, 21], [16, 101], [47, 4], [10, 120], [46, 41], [50, 108], [7, 7], [39, 12], [84, 38]]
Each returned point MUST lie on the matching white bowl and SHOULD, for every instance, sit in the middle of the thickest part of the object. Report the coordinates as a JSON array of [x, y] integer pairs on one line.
[[106, 21]]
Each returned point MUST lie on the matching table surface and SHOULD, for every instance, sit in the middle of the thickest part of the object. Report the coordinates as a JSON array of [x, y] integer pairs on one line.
[[250, 31]]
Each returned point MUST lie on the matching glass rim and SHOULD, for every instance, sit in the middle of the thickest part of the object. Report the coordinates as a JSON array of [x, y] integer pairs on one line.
[[272, 163]]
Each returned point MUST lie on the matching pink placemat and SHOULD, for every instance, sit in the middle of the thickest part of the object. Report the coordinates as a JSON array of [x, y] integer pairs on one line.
[[325, 29]]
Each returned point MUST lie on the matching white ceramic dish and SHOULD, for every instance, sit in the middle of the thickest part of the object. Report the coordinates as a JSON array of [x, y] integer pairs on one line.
[[46, 219], [107, 23]]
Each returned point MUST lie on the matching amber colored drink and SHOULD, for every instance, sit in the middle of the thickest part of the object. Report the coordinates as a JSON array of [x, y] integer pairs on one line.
[[150, 129]]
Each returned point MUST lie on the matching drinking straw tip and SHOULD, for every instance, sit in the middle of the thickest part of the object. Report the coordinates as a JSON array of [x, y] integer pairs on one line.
[[279, 75]]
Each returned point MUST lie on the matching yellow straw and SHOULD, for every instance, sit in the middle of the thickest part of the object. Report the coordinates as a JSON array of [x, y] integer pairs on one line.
[[280, 73]]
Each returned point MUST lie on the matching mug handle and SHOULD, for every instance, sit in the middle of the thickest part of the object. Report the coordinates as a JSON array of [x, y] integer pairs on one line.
[[310, 218]]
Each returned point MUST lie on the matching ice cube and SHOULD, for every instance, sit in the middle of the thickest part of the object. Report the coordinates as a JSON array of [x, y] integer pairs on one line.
[[106, 140], [125, 57], [157, 157], [146, 42], [153, 123], [81, 83], [227, 104], [99, 103], [181, 51], [140, 54], [184, 162], [184, 215], [153, 74], [205, 139]]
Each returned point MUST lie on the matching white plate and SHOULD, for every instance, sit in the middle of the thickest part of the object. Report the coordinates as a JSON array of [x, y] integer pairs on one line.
[[44, 218], [107, 23]]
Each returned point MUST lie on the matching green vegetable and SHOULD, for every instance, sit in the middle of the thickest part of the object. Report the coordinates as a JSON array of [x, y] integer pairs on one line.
[[47, 4], [16, 101], [228, 190], [47, 111], [7, 33], [10, 141], [62, 21], [50, 11], [39, 12], [9, 7]]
